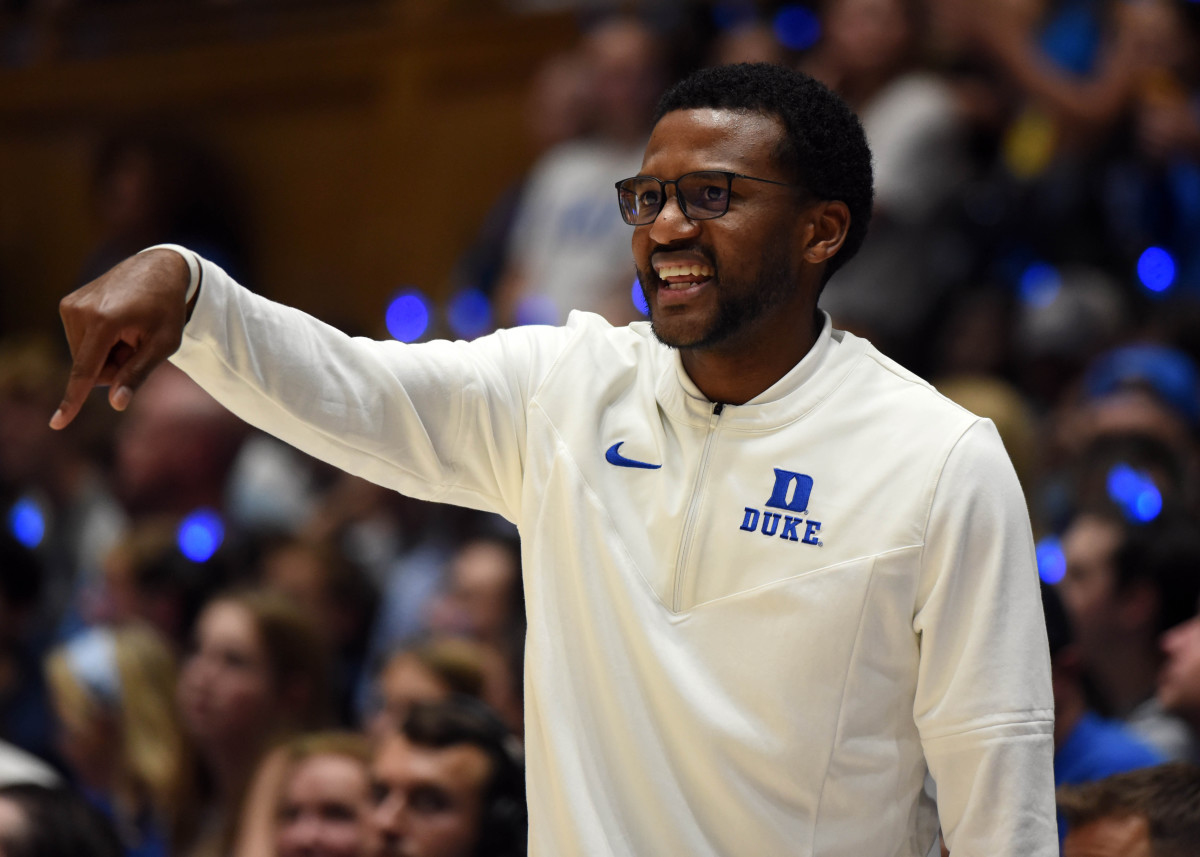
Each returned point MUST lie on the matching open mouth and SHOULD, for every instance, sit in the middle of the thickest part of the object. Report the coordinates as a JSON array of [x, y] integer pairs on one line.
[[679, 277]]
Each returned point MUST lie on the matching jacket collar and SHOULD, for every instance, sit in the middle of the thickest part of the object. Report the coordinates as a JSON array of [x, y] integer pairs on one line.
[[790, 398]]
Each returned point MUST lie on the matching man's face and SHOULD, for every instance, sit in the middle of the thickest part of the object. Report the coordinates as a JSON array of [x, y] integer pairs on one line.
[[1179, 681], [1128, 836], [749, 259], [428, 802], [1088, 587]]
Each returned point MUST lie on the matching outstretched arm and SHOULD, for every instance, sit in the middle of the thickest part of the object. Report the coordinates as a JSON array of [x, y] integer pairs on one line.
[[121, 326]]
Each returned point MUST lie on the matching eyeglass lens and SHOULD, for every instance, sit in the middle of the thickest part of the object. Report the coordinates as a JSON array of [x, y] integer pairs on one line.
[[702, 196]]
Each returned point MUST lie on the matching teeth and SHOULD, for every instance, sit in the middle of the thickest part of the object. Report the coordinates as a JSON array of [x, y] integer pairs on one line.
[[685, 271]]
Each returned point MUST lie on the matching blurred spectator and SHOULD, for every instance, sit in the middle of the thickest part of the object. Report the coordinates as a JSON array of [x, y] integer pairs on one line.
[[36, 821], [451, 784], [258, 675], [146, 578], [557, 110], [1154, 812], [1179, 680], [1087, 747], [869, 53], [484, 600], [153, 187], [1122, 589], [431, 670], [52, 487], [311, 798], [569, 247], [340, 599], [175, 447], [119, 733], [24, 703]]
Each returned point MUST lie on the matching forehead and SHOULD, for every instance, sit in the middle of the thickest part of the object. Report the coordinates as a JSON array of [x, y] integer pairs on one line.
[[328, 774], [714, 139], [402, 764], [1110, 837]]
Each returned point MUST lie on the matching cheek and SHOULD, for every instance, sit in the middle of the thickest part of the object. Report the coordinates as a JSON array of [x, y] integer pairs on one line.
[[342, 838]]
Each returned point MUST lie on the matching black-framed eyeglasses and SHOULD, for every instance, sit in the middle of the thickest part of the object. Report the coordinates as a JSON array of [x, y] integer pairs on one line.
[[702, 195]]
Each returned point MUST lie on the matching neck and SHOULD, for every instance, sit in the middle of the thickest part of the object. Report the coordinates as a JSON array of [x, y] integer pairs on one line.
[[733, 373], [1069, 709], [1125, 677]]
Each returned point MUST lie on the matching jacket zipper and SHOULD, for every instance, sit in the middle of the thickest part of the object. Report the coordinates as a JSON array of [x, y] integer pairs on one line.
[[689, 523]]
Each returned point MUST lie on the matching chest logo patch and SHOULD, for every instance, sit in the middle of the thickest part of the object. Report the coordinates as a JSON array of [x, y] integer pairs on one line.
[[613, 456], [790, 493]]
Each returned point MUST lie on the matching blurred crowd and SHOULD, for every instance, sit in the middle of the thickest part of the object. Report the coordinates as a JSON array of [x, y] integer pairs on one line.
[[211, 644]]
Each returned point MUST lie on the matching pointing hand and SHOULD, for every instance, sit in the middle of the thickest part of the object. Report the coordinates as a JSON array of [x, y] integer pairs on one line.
[[121, 326]]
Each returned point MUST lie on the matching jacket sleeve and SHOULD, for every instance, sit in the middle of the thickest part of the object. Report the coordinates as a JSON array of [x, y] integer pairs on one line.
[[441, 421], [984, 706]]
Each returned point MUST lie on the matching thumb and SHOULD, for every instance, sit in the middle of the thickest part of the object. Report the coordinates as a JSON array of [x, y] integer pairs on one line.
[[134, 371]]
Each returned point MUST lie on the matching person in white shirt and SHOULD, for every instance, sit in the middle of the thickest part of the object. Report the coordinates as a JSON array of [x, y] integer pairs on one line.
[[772, 579]]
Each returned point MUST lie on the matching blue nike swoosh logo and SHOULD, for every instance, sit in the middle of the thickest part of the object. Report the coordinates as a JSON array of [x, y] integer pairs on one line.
[[613, 456]]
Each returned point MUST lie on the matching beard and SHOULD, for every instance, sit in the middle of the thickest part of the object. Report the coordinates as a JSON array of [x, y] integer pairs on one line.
[[740, 302]]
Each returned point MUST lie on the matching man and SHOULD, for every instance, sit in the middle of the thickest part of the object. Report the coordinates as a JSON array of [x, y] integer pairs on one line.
[[770, 576], [450, 784], [1153, 812], [1124, 587]]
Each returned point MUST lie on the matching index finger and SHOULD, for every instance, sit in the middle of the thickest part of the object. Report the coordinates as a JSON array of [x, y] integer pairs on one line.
[[85, 370]]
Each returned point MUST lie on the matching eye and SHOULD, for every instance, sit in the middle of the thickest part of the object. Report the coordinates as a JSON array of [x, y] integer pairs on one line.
[[429, 800], [649, 198]]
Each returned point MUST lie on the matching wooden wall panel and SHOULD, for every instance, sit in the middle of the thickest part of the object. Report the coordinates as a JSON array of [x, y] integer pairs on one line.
[[367, 156]]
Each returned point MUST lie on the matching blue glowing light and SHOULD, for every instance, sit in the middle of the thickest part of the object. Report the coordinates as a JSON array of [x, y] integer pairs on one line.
[[1135, 492], [408, 316], [1039, 285], [1148, 504], [639, 297], [200, 534], [796, 27], [1051, 561], [1156, 269], [27, 522], [469, 314], [536, 309], [1123, 484]]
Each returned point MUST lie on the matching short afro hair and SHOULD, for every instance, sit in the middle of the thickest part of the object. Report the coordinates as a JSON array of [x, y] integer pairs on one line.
[[825, 148]]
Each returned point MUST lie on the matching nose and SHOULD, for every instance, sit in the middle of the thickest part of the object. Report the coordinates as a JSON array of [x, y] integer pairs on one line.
[[390, 817], [672, 224]]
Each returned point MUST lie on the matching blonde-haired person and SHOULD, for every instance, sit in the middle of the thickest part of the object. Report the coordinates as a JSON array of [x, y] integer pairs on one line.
[[257, 676], [311, 797], [112, 689]]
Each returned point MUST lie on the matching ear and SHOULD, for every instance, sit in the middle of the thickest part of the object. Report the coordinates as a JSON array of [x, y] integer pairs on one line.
[[824, 226]]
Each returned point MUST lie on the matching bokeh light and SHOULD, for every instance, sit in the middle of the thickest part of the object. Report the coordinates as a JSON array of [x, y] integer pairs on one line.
[[27, 522], [1135, 493], [469, 314], [1039, 285], [408, 316], [796, 27], [1051, 561], [639, 297], [200, 534], [1156, 269]]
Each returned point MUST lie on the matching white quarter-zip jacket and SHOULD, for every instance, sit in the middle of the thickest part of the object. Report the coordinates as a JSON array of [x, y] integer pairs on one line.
[[752, 628]]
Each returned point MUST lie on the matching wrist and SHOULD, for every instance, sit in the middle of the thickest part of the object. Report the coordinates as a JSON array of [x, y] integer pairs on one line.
[[194, 271]]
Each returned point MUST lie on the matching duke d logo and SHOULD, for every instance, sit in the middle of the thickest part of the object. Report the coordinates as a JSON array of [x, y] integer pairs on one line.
[[791, 494]]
